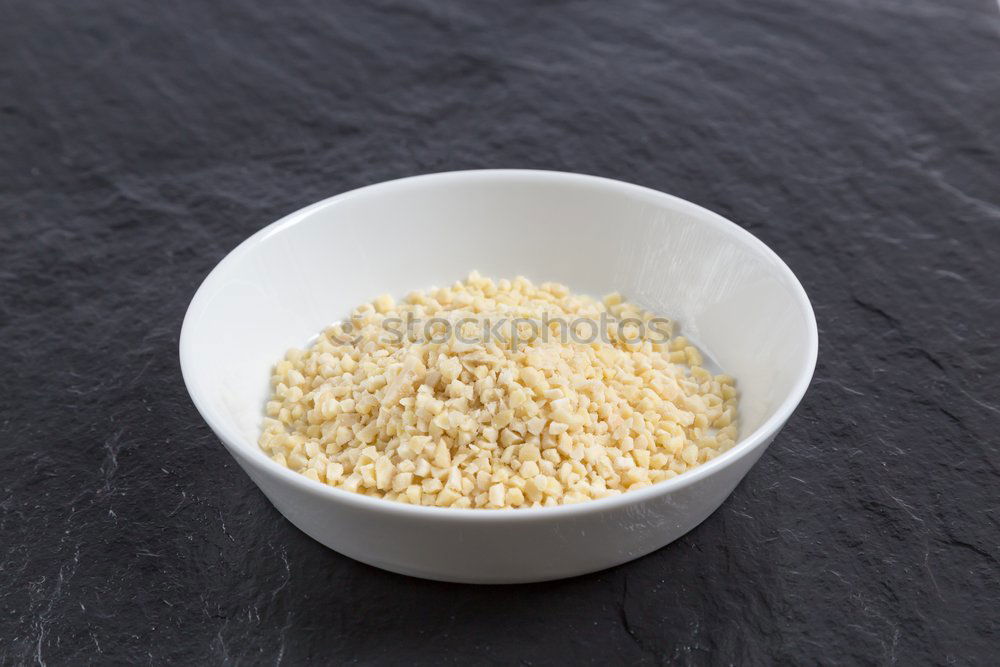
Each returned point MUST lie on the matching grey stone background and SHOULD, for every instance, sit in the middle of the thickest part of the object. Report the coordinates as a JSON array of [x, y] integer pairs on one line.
[[140, 142]]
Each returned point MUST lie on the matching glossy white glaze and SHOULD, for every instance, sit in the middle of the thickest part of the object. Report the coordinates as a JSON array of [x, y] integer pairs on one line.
[[724, 287]]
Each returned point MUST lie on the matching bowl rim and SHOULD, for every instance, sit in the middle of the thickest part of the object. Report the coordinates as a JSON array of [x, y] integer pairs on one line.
[[265, 466]]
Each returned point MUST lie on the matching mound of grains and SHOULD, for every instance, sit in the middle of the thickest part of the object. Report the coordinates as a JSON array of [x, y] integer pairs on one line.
[[524, 417]]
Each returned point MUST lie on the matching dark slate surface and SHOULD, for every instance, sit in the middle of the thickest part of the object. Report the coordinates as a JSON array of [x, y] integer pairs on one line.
[[139, 142]]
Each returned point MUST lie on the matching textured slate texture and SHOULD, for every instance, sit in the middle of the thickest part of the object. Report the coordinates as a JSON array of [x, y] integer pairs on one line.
[[139, 142]]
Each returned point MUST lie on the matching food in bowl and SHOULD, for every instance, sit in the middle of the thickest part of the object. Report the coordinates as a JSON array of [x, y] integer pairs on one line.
[[727, 290], [497, 395]]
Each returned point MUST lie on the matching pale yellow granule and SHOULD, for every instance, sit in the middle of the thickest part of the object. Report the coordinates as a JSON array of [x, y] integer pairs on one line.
[[516, 421]]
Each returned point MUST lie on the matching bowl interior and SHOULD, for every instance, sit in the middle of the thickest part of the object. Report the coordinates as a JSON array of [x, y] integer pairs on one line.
[[724, 288]]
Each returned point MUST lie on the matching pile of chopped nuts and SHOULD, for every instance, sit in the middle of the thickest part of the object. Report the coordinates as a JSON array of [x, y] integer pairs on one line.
[[432, 402]]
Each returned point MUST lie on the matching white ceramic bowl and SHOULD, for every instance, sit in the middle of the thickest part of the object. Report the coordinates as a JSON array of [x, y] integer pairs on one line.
[[727, 290]]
